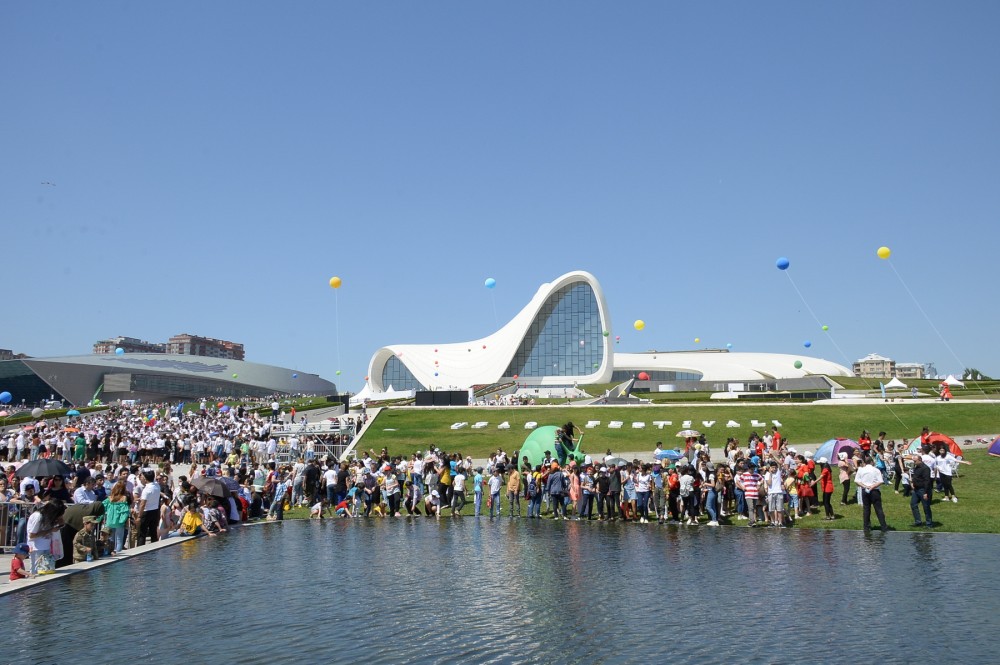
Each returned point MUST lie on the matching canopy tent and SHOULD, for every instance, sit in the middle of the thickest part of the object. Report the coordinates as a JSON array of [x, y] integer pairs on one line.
[[952, 381], [390, 393], [895, 383]]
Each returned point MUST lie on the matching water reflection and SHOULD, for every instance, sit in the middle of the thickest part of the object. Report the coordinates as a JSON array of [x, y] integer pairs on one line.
[[460, 591]]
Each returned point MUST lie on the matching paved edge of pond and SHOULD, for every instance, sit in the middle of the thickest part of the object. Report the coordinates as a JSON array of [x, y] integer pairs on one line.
[[8, 586]]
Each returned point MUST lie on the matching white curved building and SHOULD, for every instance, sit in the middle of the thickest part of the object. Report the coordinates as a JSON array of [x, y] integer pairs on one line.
[[563, 336]]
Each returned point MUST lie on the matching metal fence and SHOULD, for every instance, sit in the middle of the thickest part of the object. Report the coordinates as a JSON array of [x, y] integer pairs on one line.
[[12, 515]]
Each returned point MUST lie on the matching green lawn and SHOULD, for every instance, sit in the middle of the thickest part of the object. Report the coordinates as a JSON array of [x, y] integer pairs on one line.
[[977, 510], [405, 430]]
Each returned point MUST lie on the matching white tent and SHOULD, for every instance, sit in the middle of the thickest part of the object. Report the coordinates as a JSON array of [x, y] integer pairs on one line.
[[367, 394], [895, 383], [952, 381]]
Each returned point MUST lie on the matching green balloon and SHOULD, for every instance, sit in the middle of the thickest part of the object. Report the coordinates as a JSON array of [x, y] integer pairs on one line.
[[798, 364]]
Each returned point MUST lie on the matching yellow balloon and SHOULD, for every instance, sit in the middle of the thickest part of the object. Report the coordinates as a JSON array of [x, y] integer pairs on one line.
[[335, 282], [697, 340], [883, 252], [639, 324]]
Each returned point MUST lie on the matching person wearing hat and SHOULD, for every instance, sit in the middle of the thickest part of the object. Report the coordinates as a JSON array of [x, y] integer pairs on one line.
[[432, 504], [83, 541], [17, 571]]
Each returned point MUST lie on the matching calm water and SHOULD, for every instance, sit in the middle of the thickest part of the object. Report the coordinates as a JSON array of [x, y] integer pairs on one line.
[[399, 591]]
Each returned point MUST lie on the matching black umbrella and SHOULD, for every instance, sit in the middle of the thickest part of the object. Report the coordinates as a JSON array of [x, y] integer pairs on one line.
[[211, 486], [43, 467]]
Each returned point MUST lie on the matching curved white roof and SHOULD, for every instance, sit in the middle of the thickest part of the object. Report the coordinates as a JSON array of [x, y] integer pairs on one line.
[[484, 361], [729, 365]]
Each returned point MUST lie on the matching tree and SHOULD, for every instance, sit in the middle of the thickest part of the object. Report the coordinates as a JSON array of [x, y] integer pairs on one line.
[[973, 374]]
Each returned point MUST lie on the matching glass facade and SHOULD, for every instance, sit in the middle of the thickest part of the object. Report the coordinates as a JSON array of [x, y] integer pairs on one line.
[[180, 386], [396, 374], [23, 385], [656, 375], [565, 339]]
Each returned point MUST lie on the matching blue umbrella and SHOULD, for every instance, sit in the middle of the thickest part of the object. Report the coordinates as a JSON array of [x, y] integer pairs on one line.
[[671, 455], [72, 412]]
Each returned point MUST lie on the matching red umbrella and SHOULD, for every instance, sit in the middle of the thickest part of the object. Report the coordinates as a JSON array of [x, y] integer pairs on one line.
[[937, 437]]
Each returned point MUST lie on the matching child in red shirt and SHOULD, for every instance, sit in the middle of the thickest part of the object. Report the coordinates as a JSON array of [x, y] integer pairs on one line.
[[17, 571]]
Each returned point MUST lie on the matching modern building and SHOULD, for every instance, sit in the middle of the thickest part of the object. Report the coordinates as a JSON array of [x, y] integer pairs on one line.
[[150, 377], [128, 345], [564, 337], [874, 366], [910, 370], [194, 345]]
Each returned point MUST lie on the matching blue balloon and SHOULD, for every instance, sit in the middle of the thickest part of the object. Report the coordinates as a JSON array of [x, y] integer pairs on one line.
[[490, 282], [119, 351], [807, 344], [782, 263], [295, 376], [729, 346], [5, 397]]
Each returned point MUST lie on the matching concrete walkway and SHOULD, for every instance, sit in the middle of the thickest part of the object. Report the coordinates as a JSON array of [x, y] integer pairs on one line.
[[11, 586]]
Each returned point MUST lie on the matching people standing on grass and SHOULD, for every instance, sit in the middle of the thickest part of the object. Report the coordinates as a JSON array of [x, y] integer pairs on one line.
[[869, 480], [826, 487], [921, 485]]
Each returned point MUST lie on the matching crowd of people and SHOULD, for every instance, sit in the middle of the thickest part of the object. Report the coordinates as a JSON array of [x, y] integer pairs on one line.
[[125, 482], [118, 468], [765, 482]]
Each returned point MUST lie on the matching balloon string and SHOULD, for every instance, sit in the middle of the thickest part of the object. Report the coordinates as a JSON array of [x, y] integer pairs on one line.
[[833, 341], [930, 322], [496, 319], [336, 305]]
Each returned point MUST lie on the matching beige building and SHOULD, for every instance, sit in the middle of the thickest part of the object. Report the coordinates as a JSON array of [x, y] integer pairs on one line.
[[193, 345], [128, 345], [910, 370], [874, 366]]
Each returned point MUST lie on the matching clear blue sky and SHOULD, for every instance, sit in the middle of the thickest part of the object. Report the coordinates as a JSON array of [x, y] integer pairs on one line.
[[214, 164]]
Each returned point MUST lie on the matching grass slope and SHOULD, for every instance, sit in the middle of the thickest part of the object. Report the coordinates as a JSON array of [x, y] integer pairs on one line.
[[405, 430]]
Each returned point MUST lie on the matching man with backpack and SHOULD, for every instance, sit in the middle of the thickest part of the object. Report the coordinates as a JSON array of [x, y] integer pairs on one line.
[[556, 486], [533, 493]]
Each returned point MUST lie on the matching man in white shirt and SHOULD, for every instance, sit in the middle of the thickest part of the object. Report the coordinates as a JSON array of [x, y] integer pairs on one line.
[[330, 480], [869, 479], [85, 493], [149, 509]]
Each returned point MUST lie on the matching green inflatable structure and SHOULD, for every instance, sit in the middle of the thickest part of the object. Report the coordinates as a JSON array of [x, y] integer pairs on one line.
[[544, 438]]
